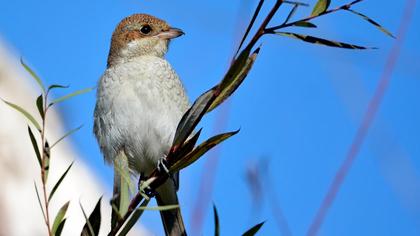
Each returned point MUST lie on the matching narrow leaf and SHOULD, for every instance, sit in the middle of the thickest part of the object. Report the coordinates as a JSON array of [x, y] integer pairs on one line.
[[66, 135], [191, 118], [59, 217], [54, 86], [188, 145], [216, 221], [124, 182], [35, 146], [134, 218], [40, 105], [320, 7], [252, 231], [93, 223], [320, 41], [374, 23], [39, 201], [200, 150], [228, 86], [60, 228], [304, 24], [75, 93], [54, 189], [34, 75], [159, 208], [25, 113]]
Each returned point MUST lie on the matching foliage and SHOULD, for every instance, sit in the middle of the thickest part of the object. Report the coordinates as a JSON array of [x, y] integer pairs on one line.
[[184, 150]]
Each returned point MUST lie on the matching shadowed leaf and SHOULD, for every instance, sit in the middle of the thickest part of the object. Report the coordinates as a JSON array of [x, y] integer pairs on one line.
[[252, 231], [134, 218], [35, 146], [25, 113], [191, 118], [216, 221], [228, 86], [54, 86], [200, 150], [320, 7], [59, 182], [93, 223], [320, 41], [374, 23], [188, 145], [39, 201], [40, 106], [66, 135], [59, 217], [33, 74], [304, 24], [60, 228], [75, 93]]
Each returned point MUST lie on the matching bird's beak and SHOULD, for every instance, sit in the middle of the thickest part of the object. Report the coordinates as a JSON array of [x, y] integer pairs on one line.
[[171, 33]]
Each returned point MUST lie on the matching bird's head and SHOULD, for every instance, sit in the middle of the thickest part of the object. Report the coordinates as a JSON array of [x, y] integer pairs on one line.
[[138, 35]]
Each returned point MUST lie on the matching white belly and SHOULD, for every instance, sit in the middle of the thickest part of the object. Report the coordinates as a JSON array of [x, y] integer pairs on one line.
[[139, 104]]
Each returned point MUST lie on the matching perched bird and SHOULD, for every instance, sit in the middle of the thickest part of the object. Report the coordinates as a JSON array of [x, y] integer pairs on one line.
[[140, 100]]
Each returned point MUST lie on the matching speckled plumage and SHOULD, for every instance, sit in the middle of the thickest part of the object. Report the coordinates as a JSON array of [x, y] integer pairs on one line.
[[140, 101]]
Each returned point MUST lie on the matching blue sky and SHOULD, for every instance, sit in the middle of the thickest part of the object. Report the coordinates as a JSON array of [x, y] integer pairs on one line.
[[299, 108]]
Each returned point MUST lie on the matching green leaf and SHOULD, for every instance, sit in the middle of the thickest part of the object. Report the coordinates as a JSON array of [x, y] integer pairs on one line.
[[374, 23], [25, 113], [191, 118], [75, 93], [159, 208], [200, 150], [40, 105], [320, 41], [216, 221], [320, 7], [54, 189], [93, 223], [187, 146], [39, 201], [134, 218], [54, 86], [252, 231], [66, 135], [60, 228], [233, 79], [35, 146], [304, 24], [34, 75], [121, 167], [59, 217]]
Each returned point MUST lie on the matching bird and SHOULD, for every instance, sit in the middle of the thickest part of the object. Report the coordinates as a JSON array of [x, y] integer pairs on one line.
[[139, 103]]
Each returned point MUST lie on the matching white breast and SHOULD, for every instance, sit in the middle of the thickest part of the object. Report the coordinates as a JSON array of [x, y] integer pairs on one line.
[[139, 104]]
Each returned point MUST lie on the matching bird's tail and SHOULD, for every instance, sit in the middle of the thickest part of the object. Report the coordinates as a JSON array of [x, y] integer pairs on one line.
[[171, 219]]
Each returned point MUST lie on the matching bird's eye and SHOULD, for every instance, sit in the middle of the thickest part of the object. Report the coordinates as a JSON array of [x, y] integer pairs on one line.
[[146, 29]]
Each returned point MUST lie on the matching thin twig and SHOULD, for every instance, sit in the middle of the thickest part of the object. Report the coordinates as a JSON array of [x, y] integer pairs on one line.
[[366, 123], [284, 25]]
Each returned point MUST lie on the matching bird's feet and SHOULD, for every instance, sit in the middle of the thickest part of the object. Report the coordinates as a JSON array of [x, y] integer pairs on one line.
[[144, 188]]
